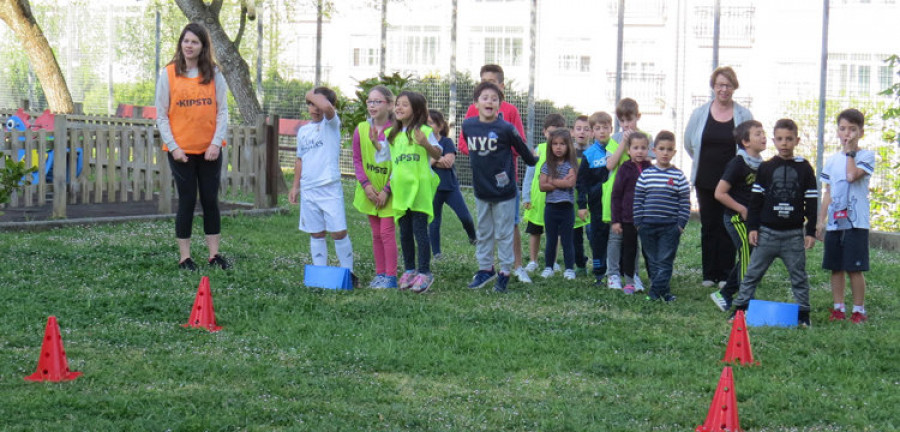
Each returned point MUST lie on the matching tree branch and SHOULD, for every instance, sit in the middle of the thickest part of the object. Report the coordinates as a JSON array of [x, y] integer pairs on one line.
[[240, 32], [215, 7]]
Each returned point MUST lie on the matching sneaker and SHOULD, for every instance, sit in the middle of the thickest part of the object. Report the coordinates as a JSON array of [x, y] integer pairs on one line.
[[722, 284], [407, 279], [837, 315], [547, 272], [522, 275], [473, 241], [187, 264], [638, 283], [599, 281], [377, 281], [669, 298], [219, 261], [422, 282], [614, 282], [803, 319], [708, 283], [556, 267], [858, 317], [628, 289], [481, 278], [569, 274], [651, 297], [719, 301], [389, 282], [532, 266], [502, 282]]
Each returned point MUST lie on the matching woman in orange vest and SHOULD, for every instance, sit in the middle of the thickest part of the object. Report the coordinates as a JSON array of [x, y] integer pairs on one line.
[[192, 117]]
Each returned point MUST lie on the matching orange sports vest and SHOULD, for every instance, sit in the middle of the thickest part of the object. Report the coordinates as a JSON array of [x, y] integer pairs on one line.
[[192, 112]]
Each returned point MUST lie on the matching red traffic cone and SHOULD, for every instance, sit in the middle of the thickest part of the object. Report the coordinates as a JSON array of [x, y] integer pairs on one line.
[[723, 412], [202, 314], [52, 365], [739, 342]]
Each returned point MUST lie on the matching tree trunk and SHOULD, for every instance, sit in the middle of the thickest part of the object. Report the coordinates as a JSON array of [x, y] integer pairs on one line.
[[231, 64], [17, 15]]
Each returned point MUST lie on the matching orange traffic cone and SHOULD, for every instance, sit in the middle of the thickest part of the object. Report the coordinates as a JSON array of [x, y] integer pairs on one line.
[[202, 314], [723, 413], [739, 342], [52, 365]]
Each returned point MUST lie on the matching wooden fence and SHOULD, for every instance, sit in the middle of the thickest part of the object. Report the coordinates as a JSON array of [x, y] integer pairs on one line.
[[114, 160]]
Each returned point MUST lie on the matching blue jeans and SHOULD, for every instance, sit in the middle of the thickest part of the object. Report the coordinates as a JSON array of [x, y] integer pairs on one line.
[[455, 200], [660, 243], [599, 237], [559, 218]]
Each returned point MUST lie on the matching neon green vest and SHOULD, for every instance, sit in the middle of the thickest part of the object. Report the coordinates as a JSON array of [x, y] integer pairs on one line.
[[378, 174], [611, 148], [412, 180], [535, 214]]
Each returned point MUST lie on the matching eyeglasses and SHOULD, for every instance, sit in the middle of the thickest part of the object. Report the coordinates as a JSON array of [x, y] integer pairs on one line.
[[723, 87], [375, 102]]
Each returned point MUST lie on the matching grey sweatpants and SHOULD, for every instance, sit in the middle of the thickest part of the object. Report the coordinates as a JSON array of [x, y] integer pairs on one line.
[[496, 222], [771, 244]]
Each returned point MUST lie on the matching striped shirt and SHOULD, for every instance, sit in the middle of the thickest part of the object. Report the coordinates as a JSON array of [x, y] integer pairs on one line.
[[662, 196], [559, 195]]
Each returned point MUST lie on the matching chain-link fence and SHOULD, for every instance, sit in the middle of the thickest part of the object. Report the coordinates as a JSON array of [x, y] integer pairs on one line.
[[558, 56]]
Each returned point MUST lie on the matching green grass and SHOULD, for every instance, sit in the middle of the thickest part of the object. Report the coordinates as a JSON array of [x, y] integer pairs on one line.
[[549, 356]]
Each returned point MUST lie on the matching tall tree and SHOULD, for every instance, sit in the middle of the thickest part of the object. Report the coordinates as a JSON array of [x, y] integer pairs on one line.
[[232, 65], [17, 15]]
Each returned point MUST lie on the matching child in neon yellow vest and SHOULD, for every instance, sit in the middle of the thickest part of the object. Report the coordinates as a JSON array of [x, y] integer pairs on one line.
[[372, 164], [413, 184]]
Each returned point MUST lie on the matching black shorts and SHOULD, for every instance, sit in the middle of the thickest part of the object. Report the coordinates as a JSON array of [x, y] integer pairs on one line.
[[846, 250], [533, 229]]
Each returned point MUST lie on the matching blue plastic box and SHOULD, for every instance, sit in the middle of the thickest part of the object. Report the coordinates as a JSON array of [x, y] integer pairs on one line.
[[336, 278], [766, 313]]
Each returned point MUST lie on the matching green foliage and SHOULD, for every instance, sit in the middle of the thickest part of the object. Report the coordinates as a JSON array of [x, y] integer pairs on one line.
[[885, 197], [12, 176], [285, 97], [354, 111], [139, 93]]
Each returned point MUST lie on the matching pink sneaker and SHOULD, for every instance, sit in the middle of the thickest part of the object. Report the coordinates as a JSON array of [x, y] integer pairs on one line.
[[407, 279], [628, 289]]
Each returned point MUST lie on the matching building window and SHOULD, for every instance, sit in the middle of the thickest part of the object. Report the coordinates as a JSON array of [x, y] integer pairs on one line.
[[498, 45], [413, 45], [363, 57], [852, 75], [736, 27], [574, 63], [642, 82]]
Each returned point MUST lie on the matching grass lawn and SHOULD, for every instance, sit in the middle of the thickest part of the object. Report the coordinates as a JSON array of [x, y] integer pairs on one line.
[[554, 355]]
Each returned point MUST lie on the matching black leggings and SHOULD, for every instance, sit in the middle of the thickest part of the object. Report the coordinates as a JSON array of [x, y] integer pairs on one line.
[[413, 234], [197, 173]]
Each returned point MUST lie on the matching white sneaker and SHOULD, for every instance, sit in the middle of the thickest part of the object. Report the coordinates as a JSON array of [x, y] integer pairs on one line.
[[547, 272], [522, 275], [614, 282], [569, 274], [638, 283], [532, 266], [556, 267], [722, 284], [708, 284]]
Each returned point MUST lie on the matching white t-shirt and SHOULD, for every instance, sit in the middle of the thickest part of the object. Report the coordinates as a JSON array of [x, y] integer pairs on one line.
[[319, 146], [852, 197]]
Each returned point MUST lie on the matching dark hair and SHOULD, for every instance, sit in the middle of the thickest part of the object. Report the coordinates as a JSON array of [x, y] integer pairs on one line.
[[206, 61], [853, 116], [481, 87], [786, 123], [438, 118], [637, 136], [419, 115], [663, 136], [554, 119], [627, 107], [551, 161], [727, 72], [581, 117], [328, 93], [492, 68], [742, 131]]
